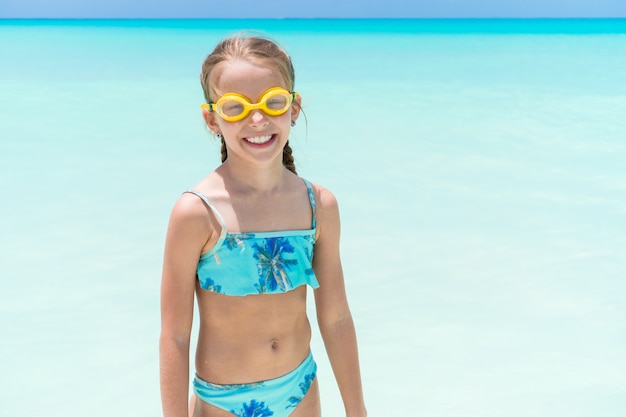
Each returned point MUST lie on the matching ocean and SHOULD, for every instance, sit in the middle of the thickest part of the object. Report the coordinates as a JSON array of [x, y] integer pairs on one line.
[[480, 169]]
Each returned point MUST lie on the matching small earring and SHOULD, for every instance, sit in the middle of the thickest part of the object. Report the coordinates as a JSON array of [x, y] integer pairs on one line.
[[219, 136], [293, 123]]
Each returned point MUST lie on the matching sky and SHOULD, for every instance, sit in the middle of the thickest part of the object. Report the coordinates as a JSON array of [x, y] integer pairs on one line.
[[310, 9]]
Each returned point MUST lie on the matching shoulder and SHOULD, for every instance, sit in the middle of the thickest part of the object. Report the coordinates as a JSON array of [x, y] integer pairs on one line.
[[194, 204], [189, 222], [327, 213], [193, 215], [189, 207], [324, 198]]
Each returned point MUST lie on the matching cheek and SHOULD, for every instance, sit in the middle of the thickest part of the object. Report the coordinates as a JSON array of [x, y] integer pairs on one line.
[[284, 120], [223, 126]]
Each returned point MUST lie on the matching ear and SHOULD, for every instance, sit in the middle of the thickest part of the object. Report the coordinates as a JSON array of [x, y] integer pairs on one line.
[[209, 119], [296, 106]]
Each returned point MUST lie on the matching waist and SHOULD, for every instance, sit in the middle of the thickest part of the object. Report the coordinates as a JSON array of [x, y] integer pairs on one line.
[[307, 364], [251, 359]]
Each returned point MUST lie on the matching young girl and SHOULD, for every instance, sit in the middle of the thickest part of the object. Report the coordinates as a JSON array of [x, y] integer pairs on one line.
[[247, 240]]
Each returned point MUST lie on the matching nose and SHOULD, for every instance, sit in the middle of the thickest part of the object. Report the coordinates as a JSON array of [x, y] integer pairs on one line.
[[258, 117]]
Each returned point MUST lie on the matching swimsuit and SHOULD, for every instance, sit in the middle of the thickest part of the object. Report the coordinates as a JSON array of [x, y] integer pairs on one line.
[[261, 262], [275, 397], [242, 264]]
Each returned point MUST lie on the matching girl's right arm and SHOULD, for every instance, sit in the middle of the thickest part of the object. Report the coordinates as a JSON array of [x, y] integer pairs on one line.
[[188, 232]]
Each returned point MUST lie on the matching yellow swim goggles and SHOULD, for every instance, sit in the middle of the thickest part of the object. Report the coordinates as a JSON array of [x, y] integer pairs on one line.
[[234, 107]]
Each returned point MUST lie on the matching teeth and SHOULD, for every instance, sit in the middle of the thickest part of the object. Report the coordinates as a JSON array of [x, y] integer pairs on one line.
[[259, 139]]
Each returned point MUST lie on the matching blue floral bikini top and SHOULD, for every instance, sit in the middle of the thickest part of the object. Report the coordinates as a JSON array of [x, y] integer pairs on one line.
[[258, 263]]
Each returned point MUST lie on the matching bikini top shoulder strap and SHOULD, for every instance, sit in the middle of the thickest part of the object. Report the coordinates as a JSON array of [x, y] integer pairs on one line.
[[217, 214], [312, 200]]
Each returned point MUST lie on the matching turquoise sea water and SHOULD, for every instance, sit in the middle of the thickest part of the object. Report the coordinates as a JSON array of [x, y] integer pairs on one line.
[[480, 170]]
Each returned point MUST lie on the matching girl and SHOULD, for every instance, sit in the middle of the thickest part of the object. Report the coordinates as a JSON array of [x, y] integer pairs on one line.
[[247, 240]]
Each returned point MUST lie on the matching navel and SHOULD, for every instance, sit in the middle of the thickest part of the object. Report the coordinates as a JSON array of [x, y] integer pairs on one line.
[[275, 343]]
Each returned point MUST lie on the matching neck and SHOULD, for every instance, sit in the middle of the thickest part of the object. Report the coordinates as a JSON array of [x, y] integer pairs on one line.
[[260, 178]]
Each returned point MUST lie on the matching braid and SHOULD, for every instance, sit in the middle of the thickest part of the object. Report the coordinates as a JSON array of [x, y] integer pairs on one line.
[[288, 161], [224, 152]]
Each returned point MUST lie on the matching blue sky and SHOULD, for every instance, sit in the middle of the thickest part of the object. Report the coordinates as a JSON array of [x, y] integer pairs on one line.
[[311, 8]]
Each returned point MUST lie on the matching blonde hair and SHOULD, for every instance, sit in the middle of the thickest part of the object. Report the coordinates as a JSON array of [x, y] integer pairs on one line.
[[253, 49]]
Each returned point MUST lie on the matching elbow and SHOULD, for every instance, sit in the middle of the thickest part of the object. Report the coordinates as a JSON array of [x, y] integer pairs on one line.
[[169, 342], [335, 321]]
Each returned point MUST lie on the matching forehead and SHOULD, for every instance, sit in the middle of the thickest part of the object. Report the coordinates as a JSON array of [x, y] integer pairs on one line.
[[246, 78]]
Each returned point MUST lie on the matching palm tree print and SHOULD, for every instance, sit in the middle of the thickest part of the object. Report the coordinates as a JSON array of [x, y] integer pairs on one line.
[[234, 240], [254, 409], [309, 254], [209, 285], [304, 387], [272, 264]]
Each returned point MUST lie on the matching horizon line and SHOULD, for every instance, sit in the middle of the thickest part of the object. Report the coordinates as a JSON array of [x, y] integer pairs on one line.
[[326, 18]]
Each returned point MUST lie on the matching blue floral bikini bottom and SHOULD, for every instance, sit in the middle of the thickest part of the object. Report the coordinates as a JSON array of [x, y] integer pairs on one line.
[[276, 397]]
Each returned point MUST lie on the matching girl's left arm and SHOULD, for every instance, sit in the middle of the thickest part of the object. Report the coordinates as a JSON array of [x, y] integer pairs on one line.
[[333, 314]]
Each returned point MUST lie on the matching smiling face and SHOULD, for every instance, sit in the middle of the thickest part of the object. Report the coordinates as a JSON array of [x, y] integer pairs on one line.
[[258, 137]]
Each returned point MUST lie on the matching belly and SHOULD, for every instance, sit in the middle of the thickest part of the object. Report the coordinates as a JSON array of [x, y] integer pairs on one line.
[[253, 338]]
